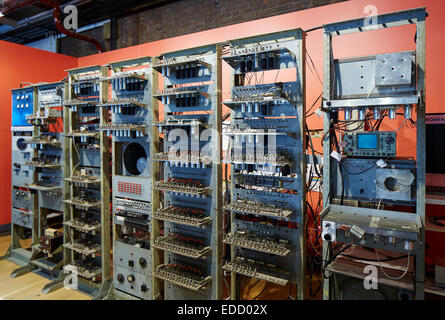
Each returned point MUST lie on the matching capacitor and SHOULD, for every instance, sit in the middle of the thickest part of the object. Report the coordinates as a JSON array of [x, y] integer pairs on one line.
[[187, 71], [242, 64], [392, 113], [362, 113], [257, 107], [409, 245], [182, 76], [347, 112], [407, 111], [376, 113]]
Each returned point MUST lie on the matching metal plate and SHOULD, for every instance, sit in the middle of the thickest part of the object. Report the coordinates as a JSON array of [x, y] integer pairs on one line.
[[393, 69]]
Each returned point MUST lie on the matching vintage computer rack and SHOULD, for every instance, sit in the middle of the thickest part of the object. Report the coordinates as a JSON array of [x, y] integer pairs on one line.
[[267, 161], [86, 195], [130, 103], [187, 224], [47, 148], [385, 83], [24, 221]]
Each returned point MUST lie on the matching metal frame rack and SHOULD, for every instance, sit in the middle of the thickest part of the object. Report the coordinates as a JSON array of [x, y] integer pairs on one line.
[[130, 105], [24, 221], [87, 231], [268, 163], [355, 86], [187, 222], [47, 179]]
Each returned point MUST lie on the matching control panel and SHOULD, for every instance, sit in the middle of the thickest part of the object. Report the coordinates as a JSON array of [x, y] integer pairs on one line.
[[22, 105]]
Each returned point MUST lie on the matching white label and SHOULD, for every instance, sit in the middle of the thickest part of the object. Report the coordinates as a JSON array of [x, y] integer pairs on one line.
[[336, 155]]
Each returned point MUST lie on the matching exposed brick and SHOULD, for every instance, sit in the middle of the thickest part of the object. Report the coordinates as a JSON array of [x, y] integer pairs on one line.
[[184, 17]]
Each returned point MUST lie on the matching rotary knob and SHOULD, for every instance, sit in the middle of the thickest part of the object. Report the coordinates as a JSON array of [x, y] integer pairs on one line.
[[142, 262], [390, 140], [131, 278], [120, 278]]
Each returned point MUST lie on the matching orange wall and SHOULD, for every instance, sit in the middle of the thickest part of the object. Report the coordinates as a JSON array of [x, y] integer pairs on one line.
[[373, 42], [21, 64]]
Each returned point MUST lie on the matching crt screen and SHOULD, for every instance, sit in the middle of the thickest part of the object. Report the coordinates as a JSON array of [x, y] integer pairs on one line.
[[367, 141]]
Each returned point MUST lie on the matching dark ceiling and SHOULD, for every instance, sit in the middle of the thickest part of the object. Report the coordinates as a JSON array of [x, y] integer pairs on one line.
[[35, 21]]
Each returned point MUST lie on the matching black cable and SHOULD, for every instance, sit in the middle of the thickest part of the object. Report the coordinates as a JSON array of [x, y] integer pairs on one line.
[[334, 256], [435, 220], [313, 29], [375, 260]]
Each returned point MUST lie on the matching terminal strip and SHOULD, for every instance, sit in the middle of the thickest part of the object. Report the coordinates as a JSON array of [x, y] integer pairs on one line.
[[253, 241], [85, 270], [123, 102], [187, 186], [83, 203], [258, 208], [192, 158], [83, 180], [256, 269], [135, 204], [186, 246], [264, 159], [44, 139], [87, 226], [182, 215], [184, 276], [84, 247]]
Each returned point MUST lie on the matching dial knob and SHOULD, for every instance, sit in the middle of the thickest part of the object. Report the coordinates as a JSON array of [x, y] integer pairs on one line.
[[131, 278], [120, 278], [142, 262], [389, 140]]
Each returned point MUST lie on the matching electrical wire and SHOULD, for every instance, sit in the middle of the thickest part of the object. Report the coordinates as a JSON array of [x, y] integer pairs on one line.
[[388, 276]]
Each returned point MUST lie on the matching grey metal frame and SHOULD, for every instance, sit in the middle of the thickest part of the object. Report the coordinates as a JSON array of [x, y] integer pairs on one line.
[[70, 122], [416, 16], [210, 56], [295, 42]]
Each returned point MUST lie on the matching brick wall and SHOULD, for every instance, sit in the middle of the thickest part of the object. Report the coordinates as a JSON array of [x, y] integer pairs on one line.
[[184, 17]]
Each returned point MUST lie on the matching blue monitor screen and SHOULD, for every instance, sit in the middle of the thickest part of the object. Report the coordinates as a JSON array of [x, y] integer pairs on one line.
[[366, 141]]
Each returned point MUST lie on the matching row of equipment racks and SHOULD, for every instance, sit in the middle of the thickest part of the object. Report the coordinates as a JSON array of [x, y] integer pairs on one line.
[[117, 172]]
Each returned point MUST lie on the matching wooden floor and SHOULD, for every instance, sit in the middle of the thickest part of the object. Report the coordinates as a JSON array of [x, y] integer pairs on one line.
[[28, 286]]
